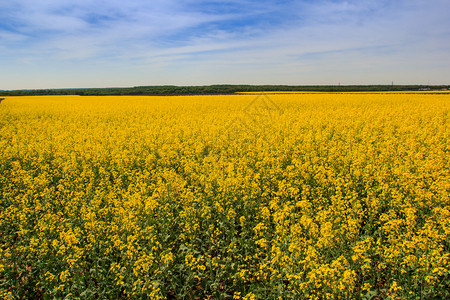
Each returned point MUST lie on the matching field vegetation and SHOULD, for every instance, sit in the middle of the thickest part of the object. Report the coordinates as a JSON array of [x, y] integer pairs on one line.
[[276, 196], [223, 89]]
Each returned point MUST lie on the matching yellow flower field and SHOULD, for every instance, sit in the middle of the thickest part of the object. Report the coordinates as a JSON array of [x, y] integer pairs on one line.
[[271, 196]]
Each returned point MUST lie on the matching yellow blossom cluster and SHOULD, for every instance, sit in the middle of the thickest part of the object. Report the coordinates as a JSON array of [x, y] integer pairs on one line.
[[271, 196]]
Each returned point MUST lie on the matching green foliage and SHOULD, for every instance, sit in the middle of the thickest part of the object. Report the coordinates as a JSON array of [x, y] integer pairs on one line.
[[216, 89]]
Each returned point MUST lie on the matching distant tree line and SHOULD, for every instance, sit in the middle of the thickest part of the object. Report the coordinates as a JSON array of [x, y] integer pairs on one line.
[[218, 89]]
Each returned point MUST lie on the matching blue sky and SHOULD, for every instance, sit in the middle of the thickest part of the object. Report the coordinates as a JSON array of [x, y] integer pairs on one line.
[[105, 43]]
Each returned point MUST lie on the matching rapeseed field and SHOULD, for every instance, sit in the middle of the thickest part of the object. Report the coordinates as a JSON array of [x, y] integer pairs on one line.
[[271, 196]]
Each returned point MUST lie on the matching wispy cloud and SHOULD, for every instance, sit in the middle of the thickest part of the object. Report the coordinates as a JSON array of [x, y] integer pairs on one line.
[[202, 42]]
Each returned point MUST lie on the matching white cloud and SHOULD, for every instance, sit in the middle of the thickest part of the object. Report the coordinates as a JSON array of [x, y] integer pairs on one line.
[[194, 42]]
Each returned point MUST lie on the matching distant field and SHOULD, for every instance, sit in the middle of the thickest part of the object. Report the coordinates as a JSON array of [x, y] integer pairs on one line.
[[268, 196], [341, 92]]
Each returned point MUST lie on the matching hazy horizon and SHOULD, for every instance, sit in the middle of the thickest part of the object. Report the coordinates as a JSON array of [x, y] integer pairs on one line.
[[52, 44]]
